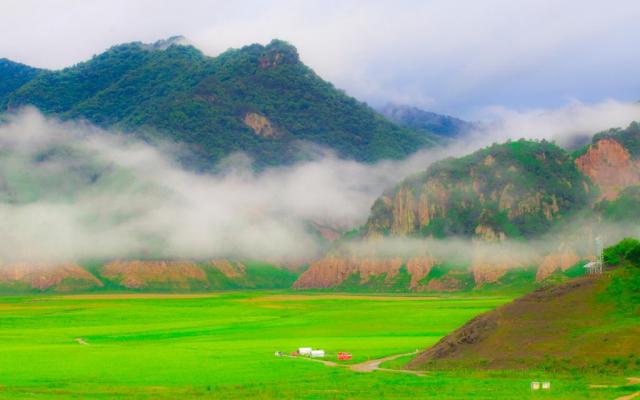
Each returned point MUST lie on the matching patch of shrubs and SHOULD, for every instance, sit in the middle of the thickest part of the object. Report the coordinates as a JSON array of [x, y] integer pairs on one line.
[[627, 249]]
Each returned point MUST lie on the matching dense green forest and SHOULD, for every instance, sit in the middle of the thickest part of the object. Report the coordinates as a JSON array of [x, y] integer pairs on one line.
[[14, 75], [258, 99]]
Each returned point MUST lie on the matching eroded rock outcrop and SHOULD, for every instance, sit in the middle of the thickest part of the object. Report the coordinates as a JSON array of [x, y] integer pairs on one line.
[[515, 189], [332, 271], [143, 274], [560, 260], [261, 125], [42, 276], [229, 269], [490, 268], [610, 165]]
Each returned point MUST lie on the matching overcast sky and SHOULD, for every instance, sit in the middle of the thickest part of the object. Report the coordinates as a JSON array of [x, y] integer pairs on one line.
[[459, 57]]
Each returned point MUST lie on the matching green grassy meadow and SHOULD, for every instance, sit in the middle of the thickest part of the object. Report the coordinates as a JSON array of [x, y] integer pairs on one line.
[[222, 346]]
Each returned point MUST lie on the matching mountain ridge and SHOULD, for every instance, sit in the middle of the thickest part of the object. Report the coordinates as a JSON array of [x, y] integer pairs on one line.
[[426, 121], [258, 99], [504, 193]]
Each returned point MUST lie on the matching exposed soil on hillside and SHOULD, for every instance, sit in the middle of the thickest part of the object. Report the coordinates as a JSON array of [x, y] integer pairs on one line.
[[57, 277], [609, 165], [140, 274], [567, 322]]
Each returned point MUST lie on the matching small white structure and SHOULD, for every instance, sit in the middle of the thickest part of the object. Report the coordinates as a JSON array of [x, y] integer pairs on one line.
[[596, 267], [317, 353], [305, 351], [535, 385], [546, 385]]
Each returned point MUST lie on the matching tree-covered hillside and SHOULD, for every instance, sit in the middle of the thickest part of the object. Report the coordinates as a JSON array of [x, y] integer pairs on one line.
[[13, 75], [258, 99], [516, 189], [628, 137]]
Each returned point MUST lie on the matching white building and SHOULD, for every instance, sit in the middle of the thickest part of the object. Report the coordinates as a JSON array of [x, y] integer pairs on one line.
[[304, 351], [317, 353]]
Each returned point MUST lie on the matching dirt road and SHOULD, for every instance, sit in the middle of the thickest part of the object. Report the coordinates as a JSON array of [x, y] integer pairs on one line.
[[374, 365], [371, 365], [631, 381]]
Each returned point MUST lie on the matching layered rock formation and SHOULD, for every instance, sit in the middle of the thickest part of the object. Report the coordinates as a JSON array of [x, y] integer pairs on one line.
[[143, 275], [486, 266], [333, 271], [610, 165], [58, 277], [512, 190]]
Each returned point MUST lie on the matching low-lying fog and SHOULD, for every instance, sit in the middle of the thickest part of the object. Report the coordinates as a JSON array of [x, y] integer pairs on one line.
[[71, 191]]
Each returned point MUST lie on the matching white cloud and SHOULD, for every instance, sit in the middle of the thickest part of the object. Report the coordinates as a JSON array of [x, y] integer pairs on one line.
[[449, 56], [107, 195]]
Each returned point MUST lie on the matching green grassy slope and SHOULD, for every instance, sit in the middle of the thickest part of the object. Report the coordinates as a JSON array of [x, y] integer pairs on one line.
[[179, 94], [590, 323]]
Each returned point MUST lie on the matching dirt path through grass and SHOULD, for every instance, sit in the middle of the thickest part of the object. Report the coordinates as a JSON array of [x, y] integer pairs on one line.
[[630, 381], [371, 365], [629, 397]]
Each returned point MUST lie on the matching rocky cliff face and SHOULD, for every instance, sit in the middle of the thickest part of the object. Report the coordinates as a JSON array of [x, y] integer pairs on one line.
[[333, 271], [610, 165], [156, 274], [511, 190], [57, 278], [143, 275], [492, 265], [515, 190]]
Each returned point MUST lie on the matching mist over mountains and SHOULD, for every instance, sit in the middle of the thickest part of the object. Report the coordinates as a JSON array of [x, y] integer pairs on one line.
[[261, 100], [150, 152]]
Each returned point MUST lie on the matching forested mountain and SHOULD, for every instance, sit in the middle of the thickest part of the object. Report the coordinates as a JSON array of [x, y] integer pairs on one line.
[[258, 99], [425, 121], [516, 189], [612, 160], [13, 75], [505, 193]]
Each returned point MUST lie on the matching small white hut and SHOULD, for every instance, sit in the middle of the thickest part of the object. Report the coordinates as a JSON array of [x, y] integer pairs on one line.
[[317, 353], [304, 351]]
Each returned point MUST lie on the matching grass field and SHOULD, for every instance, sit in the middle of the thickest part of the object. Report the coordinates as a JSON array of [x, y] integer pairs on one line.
[[222, 346]]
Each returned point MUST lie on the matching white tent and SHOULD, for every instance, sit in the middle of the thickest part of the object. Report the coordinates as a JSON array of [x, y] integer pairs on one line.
[[305, 351], [317, 353]]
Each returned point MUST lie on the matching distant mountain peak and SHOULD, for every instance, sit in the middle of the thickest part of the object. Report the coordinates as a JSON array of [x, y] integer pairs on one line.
[[276, 52], [240, 100], [417, 119]]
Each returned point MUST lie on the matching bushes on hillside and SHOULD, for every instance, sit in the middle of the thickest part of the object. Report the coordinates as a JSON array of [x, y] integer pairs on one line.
[[620, 252], [633, 255]]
